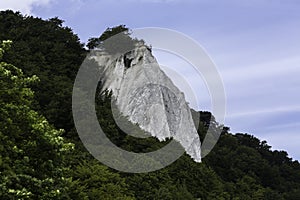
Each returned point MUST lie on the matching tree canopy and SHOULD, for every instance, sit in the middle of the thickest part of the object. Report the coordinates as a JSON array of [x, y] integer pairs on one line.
[[41, 156], [116, 40], [31, 151]]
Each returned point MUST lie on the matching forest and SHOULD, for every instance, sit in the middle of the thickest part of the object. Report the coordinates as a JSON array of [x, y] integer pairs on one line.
[[42, 157]]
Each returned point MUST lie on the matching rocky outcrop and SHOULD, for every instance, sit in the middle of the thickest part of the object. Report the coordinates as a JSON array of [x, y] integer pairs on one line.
[[148, 97]]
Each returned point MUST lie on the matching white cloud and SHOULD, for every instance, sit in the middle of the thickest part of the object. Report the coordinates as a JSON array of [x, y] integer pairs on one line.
[[270, 111], [24, 6], [266, 70], [284, 126]]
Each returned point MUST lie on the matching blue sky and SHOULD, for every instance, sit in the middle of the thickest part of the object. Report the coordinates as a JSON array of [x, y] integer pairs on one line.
[[254, 44]]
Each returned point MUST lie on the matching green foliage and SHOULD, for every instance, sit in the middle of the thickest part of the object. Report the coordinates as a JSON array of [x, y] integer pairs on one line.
[[36, 161], [31, 151], [121, 43], [52, 52], [108, 123], [95, 181], [239, 167], [109, 32], [253, 168]]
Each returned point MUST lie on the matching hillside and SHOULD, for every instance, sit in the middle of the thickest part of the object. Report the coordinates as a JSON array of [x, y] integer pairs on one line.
[[35, 156]]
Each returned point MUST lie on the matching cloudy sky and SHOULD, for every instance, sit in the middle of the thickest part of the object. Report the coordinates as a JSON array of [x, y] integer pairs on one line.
[[254, 44]]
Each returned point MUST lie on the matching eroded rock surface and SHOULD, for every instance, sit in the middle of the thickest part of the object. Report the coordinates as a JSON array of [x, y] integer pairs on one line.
[[148, 97]]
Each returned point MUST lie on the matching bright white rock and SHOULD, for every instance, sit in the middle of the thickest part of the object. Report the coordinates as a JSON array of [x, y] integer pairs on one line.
[[148, 97]]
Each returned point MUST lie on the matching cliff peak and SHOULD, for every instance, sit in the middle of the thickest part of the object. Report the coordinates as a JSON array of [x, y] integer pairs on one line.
[[148, 97]]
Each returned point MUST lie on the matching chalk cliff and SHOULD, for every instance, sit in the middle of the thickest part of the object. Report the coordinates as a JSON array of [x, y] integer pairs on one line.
[[148, 97]]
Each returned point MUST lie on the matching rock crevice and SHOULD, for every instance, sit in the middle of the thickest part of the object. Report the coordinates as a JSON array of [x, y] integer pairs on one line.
[[148, 97]]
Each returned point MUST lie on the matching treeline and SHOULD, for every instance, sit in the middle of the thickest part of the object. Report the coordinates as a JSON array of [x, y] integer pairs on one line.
[[42, 157]]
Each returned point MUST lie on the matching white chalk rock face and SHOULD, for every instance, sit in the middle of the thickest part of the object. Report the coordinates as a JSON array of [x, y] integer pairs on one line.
[[148, 97]]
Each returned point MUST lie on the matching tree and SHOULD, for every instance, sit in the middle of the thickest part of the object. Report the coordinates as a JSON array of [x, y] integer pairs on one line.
[[31, 150], [121, 43], [109, 32], [92, 180], [33, 161], [52, 52]]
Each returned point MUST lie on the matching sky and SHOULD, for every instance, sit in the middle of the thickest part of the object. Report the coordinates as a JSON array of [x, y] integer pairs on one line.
[[255, 46]]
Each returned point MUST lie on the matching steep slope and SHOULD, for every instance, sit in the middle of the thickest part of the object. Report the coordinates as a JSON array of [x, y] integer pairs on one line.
[[147, 96], [239, 167]]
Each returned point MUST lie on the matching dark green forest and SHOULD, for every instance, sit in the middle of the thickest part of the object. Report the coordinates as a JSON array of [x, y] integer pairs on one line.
[[42, 157]]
